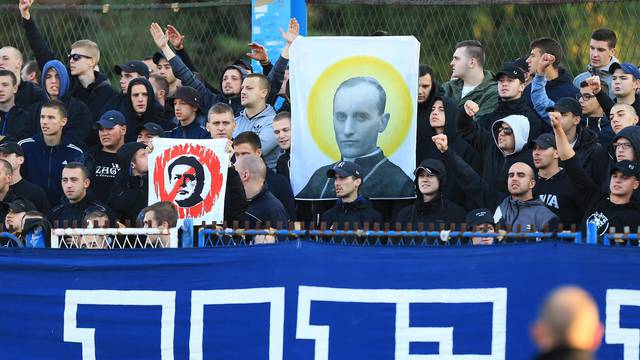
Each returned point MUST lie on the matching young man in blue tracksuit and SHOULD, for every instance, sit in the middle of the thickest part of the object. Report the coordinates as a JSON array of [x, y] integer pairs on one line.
[[48, 151]]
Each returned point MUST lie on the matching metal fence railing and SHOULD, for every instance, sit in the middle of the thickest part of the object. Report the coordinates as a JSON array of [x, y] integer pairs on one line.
[[218, 31]]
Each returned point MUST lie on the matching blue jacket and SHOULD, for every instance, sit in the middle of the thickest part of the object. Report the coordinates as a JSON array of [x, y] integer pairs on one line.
[[191, 131], [560, 87], [43, 164]]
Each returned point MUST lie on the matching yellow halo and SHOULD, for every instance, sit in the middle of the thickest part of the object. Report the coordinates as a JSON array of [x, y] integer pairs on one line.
[[320, 102]]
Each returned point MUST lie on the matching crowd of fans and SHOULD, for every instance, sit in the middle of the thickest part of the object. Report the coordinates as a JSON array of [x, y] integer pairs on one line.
[[528, 146]]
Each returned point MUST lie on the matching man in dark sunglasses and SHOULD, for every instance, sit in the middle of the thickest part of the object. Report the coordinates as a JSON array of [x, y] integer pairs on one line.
[[88, 85], [504, 145]]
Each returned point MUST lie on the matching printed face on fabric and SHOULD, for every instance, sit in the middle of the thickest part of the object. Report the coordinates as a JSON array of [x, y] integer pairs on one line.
[[189, 176]]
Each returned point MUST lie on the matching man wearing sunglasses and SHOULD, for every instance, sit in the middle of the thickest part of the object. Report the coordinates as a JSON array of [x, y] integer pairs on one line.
[[90, 86], [504, 145]]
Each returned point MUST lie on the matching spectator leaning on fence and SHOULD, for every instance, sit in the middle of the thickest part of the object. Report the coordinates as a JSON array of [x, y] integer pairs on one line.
[[12, 152], [602, 54], [101, 160], [89, 86], [79, 200], [263, 206], [469, 80], [46, 152], [350, 207], [12, 118], [11, 59], [481, 220]]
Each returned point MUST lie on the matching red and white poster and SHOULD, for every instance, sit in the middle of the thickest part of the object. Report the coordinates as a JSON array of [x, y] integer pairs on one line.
[[192, 174]]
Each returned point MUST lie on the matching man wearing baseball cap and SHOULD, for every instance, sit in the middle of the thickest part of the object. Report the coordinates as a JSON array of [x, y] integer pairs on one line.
[[431, 205], [186, 105], [12, 152], [350, 207], [605, 209], [147, 132], [129, 71], [625, 80], [552, 182], [590, 154], [478, 220], [100, 160], [511, 79]]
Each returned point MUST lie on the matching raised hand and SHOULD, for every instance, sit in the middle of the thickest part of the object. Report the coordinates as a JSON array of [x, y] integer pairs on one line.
[[471, 108], [441, 141], [175, 38], [293, 31], [258, 53], [594, 83], [159, 37], [25, 7], [545, 61], [554, 117]]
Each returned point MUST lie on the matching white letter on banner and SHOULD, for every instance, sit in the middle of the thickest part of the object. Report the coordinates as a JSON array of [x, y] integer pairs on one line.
[[405, 334], [273, 296], [614, 334], [86, 336]]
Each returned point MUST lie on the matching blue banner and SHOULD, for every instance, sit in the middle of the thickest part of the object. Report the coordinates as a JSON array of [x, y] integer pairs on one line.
[[303, 300]]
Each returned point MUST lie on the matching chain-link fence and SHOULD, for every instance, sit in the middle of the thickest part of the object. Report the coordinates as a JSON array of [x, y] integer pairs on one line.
[[505, 27], [218, 31]]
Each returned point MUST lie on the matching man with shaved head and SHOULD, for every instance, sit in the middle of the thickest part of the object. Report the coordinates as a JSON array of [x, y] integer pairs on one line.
[[621, 116], [11, 59], [263, 205], [521, 208], [568, 326]]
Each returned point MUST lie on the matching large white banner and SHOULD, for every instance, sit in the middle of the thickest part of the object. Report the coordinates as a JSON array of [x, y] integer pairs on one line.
[[354, 98], [192, 174]]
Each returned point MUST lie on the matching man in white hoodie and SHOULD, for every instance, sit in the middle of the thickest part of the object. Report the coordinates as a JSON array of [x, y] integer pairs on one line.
[[505, 145]]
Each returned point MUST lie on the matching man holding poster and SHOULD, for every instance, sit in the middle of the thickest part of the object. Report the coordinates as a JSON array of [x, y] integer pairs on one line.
[[358, 117], [354, 99]]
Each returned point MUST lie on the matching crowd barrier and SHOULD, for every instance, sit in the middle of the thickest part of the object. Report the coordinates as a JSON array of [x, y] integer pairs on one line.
[[306, 300]]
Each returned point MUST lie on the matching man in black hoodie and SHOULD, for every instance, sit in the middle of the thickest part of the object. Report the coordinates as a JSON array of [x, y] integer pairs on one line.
[[431, 206], [506, 144], [139, 107], [130, 192], [559, 82], [589, 152], [606, 210], [350, 207], [89, 86], [511, 80]]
